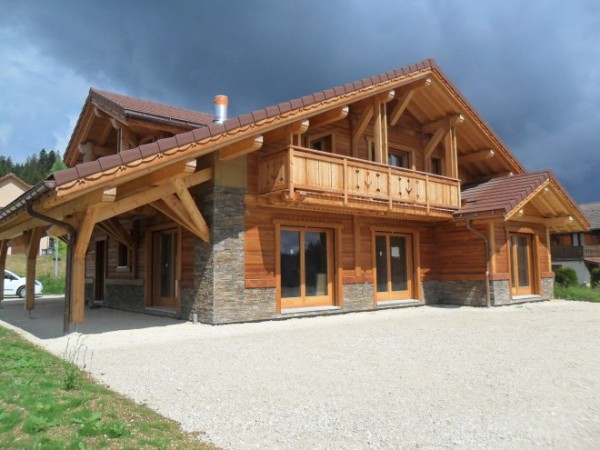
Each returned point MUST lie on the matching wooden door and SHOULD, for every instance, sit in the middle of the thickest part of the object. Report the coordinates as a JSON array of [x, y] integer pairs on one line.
[[165, 268], [306, 267], [393, 267], [521, 264], [100, 270]]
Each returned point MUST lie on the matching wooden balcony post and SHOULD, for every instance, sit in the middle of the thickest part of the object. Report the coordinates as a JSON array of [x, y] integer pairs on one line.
[[3, 253], [345, 181], [84, 234], [427, 191], [389, 188], [290, 169]]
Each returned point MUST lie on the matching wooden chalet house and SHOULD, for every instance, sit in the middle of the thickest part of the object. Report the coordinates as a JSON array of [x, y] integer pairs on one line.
[[579, 251], [388, 191]]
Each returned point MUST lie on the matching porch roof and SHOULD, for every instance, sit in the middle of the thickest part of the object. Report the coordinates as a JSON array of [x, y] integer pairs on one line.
[[533, 197]]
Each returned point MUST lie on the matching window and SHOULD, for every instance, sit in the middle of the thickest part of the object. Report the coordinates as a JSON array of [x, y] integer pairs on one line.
[[323, 143], [399, 158], [393, 266], [123, 256], [437, 166], [306, 267]]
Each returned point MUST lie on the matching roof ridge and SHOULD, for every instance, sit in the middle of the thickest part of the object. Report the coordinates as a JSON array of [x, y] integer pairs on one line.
[[103, 93]]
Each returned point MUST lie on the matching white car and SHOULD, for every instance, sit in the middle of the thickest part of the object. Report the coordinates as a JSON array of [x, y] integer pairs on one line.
[[15, 285]]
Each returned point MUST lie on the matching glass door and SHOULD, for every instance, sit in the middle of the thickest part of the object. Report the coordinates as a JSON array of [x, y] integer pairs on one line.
[[521, 264], [164, 268], [393, 267], [306, 267]]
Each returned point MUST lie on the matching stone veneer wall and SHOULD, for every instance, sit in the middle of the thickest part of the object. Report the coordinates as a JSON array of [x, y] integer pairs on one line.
[[129, 297], [358, 296], [460, 292], [547, 288], [219, 294], [430, 292], [500, 292]]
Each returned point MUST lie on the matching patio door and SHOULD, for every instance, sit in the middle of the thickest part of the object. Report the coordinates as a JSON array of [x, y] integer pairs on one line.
[[164, 268], [521, 264], [306, 267], [393, 267]]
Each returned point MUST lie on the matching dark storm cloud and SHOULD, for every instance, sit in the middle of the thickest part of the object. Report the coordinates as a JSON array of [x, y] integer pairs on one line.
[[530, 68]]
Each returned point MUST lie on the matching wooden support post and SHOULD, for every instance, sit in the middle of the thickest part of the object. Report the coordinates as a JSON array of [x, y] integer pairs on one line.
[[377, 132], [356, 226], [3, 253], [33, 248], [84, 233]]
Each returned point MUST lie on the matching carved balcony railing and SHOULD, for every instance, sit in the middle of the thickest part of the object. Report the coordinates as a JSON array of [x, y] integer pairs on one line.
[[352, 183]]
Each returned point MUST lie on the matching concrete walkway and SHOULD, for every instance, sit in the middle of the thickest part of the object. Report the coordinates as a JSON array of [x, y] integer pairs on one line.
[[432, 377]]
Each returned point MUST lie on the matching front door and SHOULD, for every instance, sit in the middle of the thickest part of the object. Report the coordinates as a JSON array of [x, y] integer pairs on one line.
[[164, 268], [306, 267], [521, 258], [393, 266]]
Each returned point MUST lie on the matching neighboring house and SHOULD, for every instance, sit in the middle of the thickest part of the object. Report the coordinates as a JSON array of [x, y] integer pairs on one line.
[[12, 187], [580, 251], [384, 192]]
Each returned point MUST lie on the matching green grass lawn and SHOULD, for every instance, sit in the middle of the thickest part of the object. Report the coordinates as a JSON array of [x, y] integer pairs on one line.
[[47, 403], [577, 293]]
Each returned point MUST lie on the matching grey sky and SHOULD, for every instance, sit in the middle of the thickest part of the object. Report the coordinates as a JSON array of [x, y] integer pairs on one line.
[[531, 68]]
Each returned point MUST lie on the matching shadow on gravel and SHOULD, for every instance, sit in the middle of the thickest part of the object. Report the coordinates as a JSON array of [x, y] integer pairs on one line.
[[47, 321]]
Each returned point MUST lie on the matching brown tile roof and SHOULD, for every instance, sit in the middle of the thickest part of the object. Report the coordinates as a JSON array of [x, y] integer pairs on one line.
[[212, 129], [499, 196], [123, 106], [592, 213]]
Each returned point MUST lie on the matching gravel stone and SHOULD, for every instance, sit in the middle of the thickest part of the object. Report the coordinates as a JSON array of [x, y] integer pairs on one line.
[[519, 376]]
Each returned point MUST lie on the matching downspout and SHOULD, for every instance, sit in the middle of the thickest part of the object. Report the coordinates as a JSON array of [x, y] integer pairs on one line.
[[484, 238], [70, 245]]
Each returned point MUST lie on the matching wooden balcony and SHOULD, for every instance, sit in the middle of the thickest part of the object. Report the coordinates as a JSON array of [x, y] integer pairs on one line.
[[316, 180], [571, 252]]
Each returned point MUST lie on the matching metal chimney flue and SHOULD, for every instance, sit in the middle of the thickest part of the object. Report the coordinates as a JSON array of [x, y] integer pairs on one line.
[[221, 102]]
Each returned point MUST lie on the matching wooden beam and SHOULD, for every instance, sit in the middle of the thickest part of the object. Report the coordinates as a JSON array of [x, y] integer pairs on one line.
[[413, 86], [57, 231], [84, 233], [114, 228], [136, 200], [192, 209], [3, 252], [400, 107], [434, 141], [33, 248], [172, 207], [476, 156], [287, 133], [156, 178], [240, 148], [445, 122], [329, 116], [363, 121]]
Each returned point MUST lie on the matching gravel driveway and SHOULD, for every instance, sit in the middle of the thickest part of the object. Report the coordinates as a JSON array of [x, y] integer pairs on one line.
[[429, 377]]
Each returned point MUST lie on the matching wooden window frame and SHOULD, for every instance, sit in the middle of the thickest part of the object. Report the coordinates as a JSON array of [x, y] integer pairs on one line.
[[148, 247], [534, 264], [442, 167], [410, 153], [416, 257], [123, 267], [320, 136], [336, 257]]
